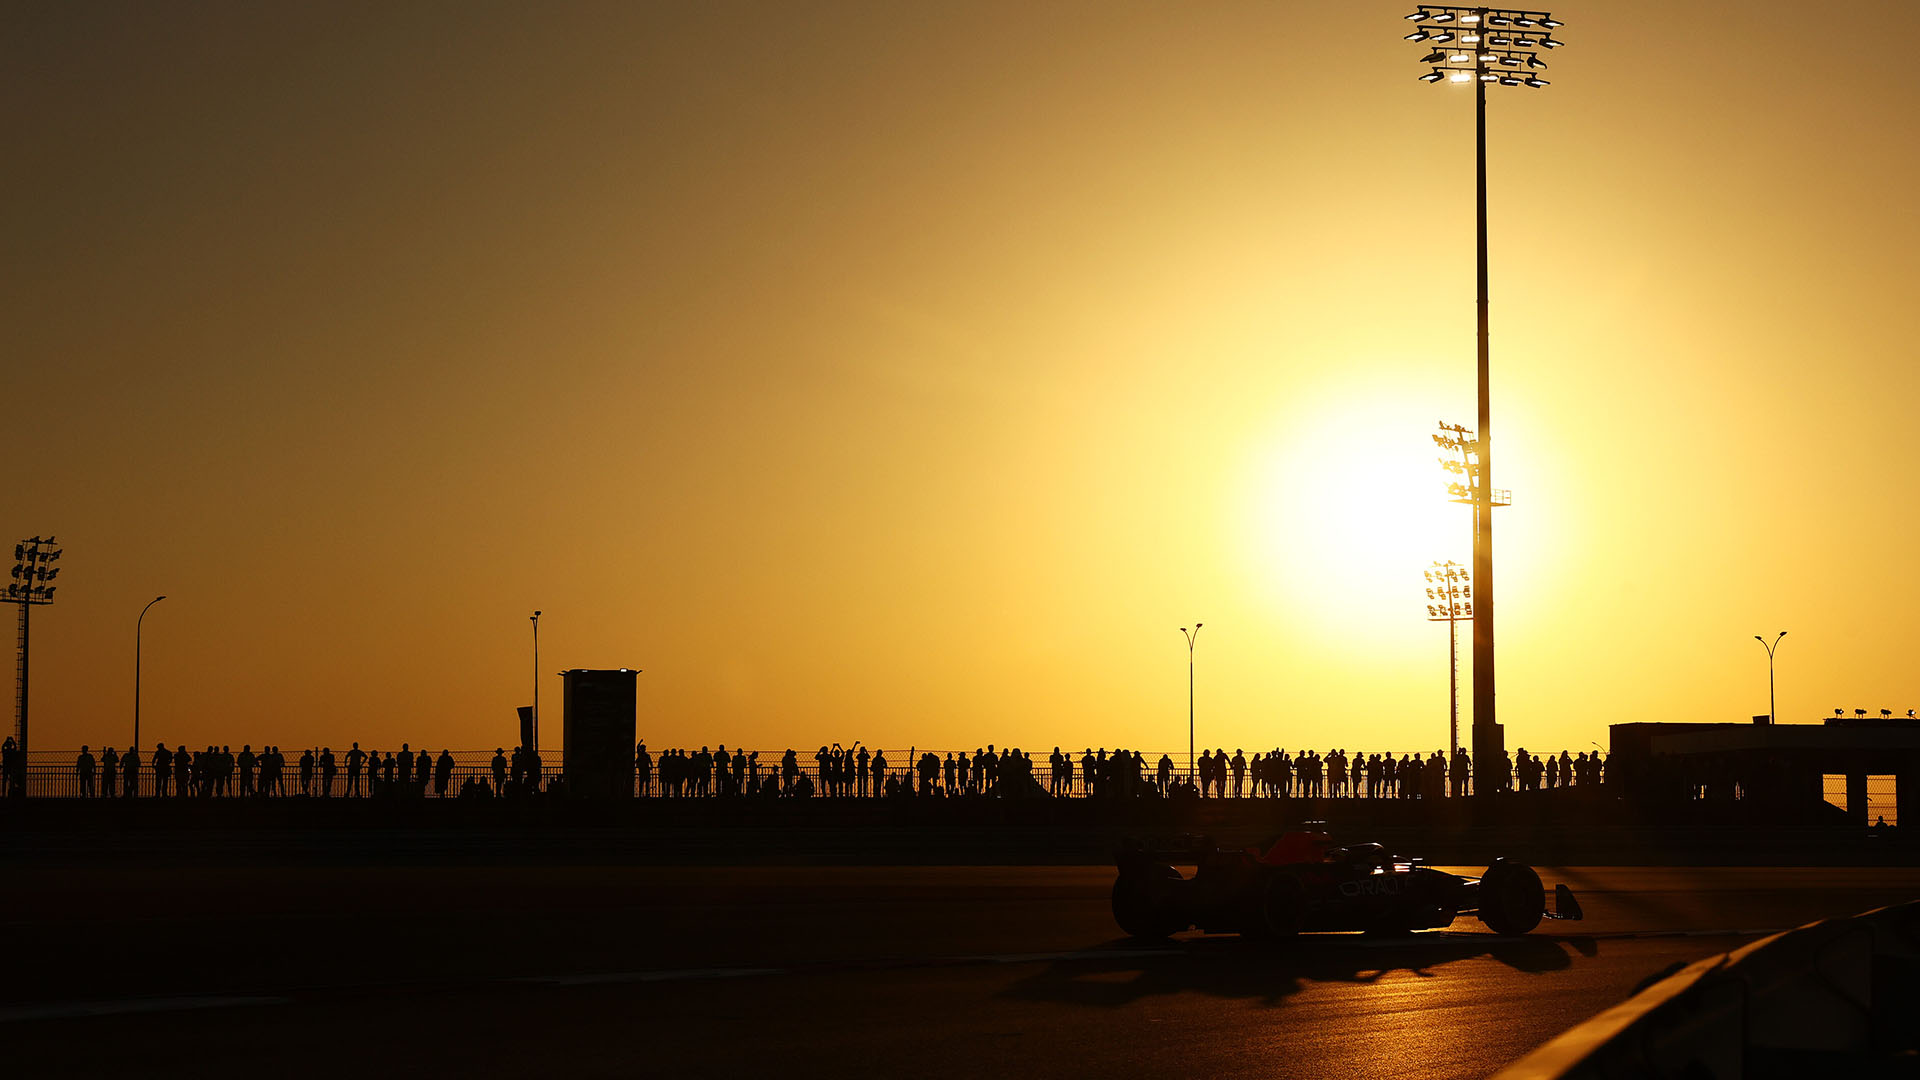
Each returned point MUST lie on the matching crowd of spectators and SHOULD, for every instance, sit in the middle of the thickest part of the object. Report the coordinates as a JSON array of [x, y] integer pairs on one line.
[[856, 772], [832, 771], [219, 772]]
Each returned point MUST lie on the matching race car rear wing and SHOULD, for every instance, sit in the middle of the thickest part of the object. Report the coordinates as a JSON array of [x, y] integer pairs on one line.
[[1564, 905]]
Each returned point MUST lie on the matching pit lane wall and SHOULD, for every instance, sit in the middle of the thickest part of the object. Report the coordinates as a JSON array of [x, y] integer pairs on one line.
[[1834, 998]]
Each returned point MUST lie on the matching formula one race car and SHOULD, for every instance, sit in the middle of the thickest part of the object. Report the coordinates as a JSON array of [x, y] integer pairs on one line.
[[1304, 882]]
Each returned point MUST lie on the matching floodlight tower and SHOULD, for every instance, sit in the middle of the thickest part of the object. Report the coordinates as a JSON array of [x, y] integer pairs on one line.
[[1449, 600], [1483, 45], [33, 571]]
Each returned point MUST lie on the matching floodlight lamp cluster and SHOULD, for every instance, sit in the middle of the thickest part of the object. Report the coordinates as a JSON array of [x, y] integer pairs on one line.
[[1489, 45], [1885, 714], [1462, 441], [1456, 438], [33, 569], [1449, 592]]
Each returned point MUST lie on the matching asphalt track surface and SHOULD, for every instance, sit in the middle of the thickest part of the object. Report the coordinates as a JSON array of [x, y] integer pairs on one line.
[[780, 971]]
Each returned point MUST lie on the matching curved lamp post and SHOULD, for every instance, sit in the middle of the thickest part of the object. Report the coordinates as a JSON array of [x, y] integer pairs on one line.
[[535, 617], [1773, 714], [1191, 636], [136, 668]]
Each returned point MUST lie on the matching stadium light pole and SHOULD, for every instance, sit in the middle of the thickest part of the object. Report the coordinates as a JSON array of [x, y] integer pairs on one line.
[[1449, 600], [1773, 714], [1483, 45], [1191, 636], [136, 668], [33, 568]]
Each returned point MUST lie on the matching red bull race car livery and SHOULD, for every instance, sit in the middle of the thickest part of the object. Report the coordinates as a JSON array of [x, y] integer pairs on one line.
[[1304, 882]]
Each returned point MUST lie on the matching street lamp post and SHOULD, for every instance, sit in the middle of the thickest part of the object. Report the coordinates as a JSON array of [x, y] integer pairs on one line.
[[1773, 715], [536, 684], [1483, 45], [136, 668], [1191, 636]]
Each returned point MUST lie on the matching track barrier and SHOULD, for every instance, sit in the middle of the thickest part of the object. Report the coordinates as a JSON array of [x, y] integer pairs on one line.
[[1835, 998]]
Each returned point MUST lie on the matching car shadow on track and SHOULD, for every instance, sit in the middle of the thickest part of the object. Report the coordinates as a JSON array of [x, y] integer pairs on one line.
[[1229, 966]]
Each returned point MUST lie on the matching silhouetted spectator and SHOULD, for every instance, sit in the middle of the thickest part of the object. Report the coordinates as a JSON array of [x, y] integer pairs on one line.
[[443, 772], [83, 768], [130, 772], [307, 763], [499, 768], [356, 758], [109, 772], [162, 769], [328, 769]]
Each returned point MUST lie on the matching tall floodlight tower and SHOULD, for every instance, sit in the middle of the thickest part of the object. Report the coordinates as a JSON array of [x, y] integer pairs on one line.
[[1450, 600], [32, 584], [1483, 46]]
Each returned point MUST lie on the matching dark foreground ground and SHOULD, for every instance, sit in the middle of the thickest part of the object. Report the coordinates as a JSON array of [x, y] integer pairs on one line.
[[243, 959]]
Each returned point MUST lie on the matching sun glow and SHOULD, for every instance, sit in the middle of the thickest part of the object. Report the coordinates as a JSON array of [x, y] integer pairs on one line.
[[1348, 508]]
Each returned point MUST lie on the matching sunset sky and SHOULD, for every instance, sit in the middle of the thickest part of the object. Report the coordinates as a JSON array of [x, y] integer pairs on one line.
[[910, 372]]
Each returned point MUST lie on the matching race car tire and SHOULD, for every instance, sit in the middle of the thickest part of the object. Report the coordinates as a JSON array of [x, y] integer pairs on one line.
[[1283, 905], [1145, 903], [1511, 898]]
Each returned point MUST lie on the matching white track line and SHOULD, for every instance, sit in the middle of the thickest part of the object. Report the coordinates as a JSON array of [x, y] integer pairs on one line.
[[1567, 933]]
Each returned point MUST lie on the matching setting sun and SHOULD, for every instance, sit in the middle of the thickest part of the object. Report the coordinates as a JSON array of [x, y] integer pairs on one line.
[[1349, 506]]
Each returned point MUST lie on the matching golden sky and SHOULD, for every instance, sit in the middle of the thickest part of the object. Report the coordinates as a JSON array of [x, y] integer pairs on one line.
[[909, 372]]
